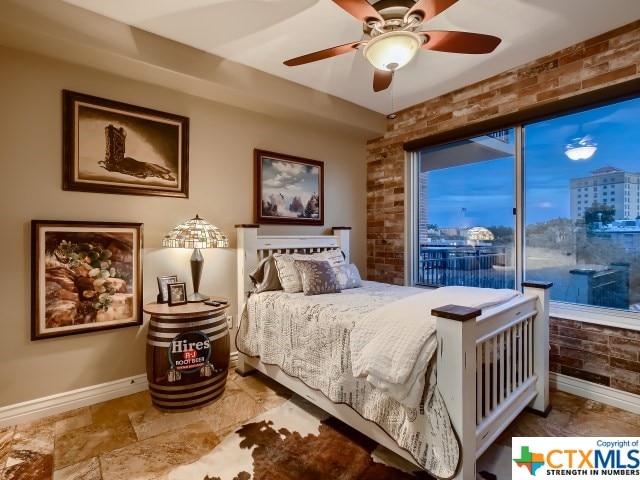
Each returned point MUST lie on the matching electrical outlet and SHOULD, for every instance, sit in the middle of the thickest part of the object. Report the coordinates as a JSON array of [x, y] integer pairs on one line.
[[230, 321]]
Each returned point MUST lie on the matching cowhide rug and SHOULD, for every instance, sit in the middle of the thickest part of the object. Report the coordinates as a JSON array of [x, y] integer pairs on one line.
[[298, 441]]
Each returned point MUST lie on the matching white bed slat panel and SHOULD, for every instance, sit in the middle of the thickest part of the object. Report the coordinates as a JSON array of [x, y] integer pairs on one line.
[[479, 412], [494, 372], [503, 385], [494, 386], [487, 370], [291, 242]]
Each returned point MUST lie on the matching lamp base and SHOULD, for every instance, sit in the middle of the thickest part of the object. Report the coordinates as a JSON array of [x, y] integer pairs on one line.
[[197, 297]]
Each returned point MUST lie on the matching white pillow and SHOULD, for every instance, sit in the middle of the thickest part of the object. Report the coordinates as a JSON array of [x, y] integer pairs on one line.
[[288, 273], [347, 276]]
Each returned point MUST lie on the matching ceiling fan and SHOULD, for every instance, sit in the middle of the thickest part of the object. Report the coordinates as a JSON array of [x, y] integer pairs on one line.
[[393, 28]]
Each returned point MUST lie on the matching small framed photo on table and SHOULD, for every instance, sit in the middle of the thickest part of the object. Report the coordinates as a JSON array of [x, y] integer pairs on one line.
[[177, 293], [163, 292]]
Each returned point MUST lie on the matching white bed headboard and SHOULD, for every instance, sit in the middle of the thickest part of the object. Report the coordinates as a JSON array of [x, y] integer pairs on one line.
[[253, 247]]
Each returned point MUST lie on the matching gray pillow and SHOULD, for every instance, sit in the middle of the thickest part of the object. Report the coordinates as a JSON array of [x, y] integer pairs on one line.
[[347, 276], [265, 276], [317, 277], [290, 276]]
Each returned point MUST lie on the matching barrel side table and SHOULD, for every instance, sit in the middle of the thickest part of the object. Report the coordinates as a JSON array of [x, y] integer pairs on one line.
[[187, 354]]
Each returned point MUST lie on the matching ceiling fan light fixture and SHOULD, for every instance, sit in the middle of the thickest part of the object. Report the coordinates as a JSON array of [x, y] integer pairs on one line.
[[580, 153], [392, 50], [581, 148]]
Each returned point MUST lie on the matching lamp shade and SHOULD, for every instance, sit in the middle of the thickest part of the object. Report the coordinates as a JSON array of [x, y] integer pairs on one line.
[[195, 233], [393, 50]]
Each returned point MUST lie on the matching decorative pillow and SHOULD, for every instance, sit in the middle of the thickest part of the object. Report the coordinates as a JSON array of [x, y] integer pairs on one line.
[[288, 273], [347, 276], [317, 277], [265, 276]]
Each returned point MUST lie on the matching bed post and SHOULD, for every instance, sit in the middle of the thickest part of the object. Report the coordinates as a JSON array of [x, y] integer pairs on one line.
[[343, 240], [456, 367], [542, 291], [247, 260]]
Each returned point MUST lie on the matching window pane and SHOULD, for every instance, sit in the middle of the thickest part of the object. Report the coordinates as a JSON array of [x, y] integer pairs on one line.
[[465, 220], [582, 205]]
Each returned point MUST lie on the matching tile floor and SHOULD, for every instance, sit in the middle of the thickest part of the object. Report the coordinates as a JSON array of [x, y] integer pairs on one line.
[[127, 438]]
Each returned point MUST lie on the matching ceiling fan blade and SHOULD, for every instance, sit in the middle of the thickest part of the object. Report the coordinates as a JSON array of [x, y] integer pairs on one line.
[[360, 9], [428, 9], [322, 54], [381, 80], [459, 42]]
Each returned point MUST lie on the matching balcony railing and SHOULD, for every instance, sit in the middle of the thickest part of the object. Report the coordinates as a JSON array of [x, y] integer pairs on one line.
[[502, 135], [481, 266]]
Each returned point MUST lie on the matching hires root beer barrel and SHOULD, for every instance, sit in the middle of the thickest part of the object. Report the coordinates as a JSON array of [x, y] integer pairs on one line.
[[187, 354]]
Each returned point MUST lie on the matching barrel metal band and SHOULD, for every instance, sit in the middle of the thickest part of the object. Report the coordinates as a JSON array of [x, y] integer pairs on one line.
[[177, 316], [154, 323], [166, 344], [196, 402], [215, 329], [178, 388], [169, 396]]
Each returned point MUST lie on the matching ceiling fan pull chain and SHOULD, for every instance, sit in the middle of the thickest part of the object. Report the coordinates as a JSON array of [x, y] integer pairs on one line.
[[392, 115]]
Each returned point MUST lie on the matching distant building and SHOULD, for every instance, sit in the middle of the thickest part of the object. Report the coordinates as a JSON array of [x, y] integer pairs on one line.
[[607, 186], [423, 211]]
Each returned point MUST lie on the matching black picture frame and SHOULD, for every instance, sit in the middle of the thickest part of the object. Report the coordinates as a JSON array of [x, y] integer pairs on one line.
[[85, 277], [115, 147], [289, 190], [177, 293], [163, 281]]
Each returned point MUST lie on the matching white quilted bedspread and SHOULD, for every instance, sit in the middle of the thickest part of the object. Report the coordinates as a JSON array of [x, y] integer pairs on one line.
[[391, 346], [309, 338]]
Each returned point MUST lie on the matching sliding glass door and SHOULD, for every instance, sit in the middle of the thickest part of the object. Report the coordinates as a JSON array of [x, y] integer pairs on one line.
[[465, 221]]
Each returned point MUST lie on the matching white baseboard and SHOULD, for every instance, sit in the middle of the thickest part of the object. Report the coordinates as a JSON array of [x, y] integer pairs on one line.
[[592, 391], [62, 402]]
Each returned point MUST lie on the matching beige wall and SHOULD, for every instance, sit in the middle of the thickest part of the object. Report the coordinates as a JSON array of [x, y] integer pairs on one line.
[[222, 139]]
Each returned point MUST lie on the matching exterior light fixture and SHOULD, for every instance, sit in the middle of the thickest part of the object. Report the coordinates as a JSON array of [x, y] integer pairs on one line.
[[392, 50]]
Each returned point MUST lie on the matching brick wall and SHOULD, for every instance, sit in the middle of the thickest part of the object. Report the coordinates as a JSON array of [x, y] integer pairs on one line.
[[607, 356], [602, 61]]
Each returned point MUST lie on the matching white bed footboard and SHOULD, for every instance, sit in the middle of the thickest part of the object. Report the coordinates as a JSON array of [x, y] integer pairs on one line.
[[491, 367]]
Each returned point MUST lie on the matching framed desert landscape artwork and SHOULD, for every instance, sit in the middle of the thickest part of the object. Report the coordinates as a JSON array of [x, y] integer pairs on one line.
[[114, 147], [86, 276], [288, 189]]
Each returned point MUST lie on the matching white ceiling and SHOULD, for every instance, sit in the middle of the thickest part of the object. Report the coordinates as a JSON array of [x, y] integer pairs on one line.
[[263, 33]]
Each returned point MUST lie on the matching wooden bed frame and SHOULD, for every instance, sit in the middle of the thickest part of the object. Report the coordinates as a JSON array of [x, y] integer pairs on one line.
[[482, 396]]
